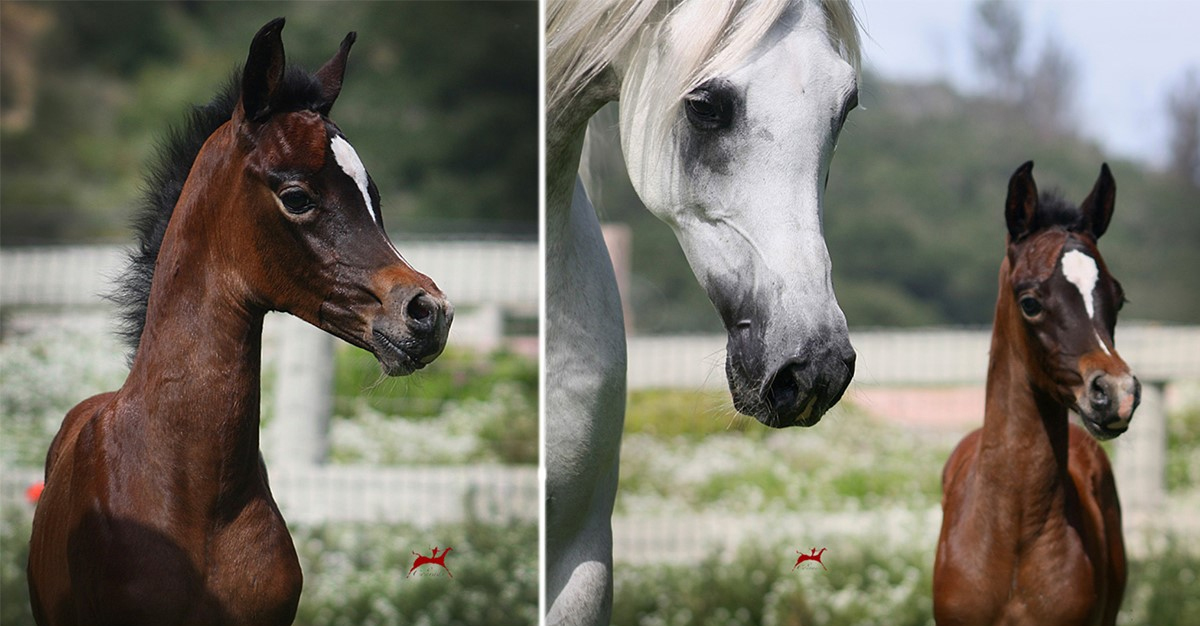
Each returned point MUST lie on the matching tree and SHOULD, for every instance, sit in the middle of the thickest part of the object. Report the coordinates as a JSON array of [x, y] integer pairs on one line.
[[1047, 92], [1183, 113], [997, 38], [1043, 93]]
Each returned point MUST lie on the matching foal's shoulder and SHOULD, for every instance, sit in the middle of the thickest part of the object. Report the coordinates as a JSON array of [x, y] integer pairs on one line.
[[76, 419], [961, 459]]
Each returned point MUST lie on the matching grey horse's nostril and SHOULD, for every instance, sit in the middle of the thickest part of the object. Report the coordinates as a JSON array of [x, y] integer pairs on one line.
[[785, 389]]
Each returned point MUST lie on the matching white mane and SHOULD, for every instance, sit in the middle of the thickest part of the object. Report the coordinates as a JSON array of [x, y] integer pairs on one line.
[[584, 37]]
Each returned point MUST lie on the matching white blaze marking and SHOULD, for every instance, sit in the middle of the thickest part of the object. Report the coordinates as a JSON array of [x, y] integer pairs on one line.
[[348, 159], [1081, 270], [353, 166]]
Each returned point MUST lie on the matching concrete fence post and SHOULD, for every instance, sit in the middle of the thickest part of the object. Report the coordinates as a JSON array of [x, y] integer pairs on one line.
[[303, 403], [1140, 463]]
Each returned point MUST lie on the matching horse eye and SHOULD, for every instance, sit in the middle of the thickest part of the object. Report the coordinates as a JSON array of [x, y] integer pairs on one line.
[[709, 109], [1030, 306], [296, 200]]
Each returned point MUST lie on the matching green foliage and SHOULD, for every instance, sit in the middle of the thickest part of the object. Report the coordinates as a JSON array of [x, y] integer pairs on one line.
[[440, 101], [914, 216], [866, 583], [678, 413], [455, 376], [1183, 450], [916, 203], [1162, 587], [710, 593], [358, 574], [16, 525], [45, 375], [851, 461], [466, 407]]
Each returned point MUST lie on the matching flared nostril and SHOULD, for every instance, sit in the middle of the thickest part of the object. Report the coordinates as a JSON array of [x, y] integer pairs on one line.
[[849, 362], [784, 391], [421, 310], [1098, 393]]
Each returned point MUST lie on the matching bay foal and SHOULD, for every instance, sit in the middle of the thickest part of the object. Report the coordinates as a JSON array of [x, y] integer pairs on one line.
[[156, 509], [1031, 528]]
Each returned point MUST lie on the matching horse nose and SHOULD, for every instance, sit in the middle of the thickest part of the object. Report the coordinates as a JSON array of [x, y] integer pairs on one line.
[[428, 319], [1114, 398], [422, 313], [803, 389]]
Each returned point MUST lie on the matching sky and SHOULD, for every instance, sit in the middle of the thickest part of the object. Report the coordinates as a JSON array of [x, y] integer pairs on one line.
[[1129, 54]]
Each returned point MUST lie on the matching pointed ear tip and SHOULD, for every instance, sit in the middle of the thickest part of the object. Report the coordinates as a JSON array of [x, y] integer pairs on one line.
[[273, 26], [1024, 171]]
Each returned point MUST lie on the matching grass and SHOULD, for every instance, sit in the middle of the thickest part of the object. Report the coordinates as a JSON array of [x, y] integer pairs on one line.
[[465, 408], [681, 452], [675, 458], [690, 414], [866, 584], [1183, 450], [457, 376]]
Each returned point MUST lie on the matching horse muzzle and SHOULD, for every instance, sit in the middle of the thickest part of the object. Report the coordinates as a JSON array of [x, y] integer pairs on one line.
[[797, 392], [1107, 402], [412, 331]]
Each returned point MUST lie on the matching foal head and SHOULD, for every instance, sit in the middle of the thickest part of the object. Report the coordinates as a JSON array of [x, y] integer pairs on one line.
[[289, 216], [1056, 287], [323, 254], [735, 159]]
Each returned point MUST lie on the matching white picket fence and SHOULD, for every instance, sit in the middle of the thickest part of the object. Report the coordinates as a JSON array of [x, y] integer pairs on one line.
[[500, 277], [486, 280], [1161, 356], [424, 496]]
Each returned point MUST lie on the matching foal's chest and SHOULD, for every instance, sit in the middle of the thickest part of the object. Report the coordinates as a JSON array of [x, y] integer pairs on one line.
[[1047, 585], [253, 574]]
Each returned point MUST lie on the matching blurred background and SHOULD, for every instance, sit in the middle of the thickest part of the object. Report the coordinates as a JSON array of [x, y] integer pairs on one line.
[[954, 96], [441, 103]]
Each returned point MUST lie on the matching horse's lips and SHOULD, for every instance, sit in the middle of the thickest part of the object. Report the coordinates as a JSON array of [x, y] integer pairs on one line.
[[405, 363]]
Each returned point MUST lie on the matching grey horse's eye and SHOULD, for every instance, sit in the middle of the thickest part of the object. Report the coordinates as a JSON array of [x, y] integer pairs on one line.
[[709, 107]]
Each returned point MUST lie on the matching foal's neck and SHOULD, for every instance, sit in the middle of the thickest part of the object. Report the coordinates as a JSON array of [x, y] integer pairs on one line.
[[197, 373], [1023, 447]]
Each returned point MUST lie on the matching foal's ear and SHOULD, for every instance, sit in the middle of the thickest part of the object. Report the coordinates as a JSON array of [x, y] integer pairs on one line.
[[1021, 207], [330, 75], [1097, 208], [263, 72]]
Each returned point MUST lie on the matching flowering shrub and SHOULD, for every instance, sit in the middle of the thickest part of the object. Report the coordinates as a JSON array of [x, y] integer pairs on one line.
[[849, 462], [499, 428], [465, 408], [47, 371], [866, 584], [357, 574]]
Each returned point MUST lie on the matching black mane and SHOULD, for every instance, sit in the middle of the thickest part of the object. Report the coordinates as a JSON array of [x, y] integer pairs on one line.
[[164, 184], [1054, 211]]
